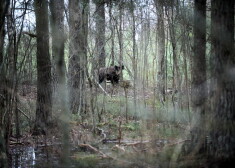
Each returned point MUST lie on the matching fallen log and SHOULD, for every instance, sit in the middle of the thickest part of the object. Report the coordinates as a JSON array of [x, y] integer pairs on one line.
[[95, 150]]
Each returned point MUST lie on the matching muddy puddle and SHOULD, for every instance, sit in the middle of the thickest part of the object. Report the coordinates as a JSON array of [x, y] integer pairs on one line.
[[29, 156], [51, 156]]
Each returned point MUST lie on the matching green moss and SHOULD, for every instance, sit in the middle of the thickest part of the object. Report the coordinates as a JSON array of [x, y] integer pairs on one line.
[[86, 161], [131, 126]]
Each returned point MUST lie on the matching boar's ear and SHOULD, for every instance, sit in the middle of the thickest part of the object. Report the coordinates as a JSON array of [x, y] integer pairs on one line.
[[122, 66], [116, 67]]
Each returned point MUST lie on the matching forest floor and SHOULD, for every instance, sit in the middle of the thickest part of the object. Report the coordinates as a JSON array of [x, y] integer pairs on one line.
[[125, 137]]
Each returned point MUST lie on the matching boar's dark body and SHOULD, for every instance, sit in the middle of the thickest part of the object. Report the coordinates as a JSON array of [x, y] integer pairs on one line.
[[111, 73]]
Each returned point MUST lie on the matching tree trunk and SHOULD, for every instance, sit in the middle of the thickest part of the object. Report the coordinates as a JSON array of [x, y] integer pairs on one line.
[[120, 39], [161, 50], [146, 57], [199, 74], [10, 72], [3, 142], [3, 10], [223, 105], [134, 59], [83, 34], [78, 20], [58, 39], [171, 17], [59, 72], [44, 88], [100, 33], [74, 67], [112, 30]]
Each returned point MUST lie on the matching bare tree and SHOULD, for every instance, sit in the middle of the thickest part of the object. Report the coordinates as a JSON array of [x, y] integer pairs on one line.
[[10, 69], [112, 30], [199, 73], [78, 15], [83, 33], [161, 49], [134, 52], [3, 142], [58, 40], [223, 105], [186, 53], [74, 67], [59, 72], [146, 38], [100, 32], [44, 88], [120, 36], [172, 14]]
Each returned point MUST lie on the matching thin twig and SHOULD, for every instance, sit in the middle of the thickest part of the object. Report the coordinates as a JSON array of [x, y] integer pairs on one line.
[[24, 114]]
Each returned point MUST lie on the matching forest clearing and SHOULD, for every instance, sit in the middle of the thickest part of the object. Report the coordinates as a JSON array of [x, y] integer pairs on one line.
[[117, 83], [119, 139]]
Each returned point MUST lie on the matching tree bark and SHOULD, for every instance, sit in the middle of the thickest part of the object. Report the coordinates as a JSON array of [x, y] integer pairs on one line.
[[83, 34], [78, 23], [44, 88], [11, 69], [74, 68], [223, 105], [59, 73], [134, 51], [161, 50], [112, 30], [3, 142], [100, 32], [199, 74], [120, 38], [58, 39]]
